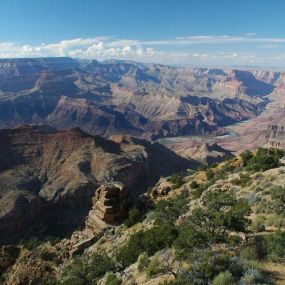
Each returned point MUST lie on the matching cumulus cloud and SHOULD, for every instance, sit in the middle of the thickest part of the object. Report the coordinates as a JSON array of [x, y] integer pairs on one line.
[[159, 51]]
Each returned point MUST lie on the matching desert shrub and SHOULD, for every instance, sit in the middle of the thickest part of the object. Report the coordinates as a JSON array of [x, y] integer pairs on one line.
[[212, 223], [169, 210], [246, 156], [206, 264], [32, 243], [112, 279], [135, 215], [188, 239], [194, 184], [181, 279], [264, 159], [47, 255], [251, 277], [258, 224], [224, 278], [50, 281], [155, 267], [278, 199], [243, 180], [210, 174], [275, 245], [149, 241], [143, 261], [87, 271], [248, 253], [200, 189], [52, 239], [177, 180], [264, 207], [275, 220]]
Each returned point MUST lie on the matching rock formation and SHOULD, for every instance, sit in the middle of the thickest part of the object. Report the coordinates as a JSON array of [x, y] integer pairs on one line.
[[276, 136], [109, 206]]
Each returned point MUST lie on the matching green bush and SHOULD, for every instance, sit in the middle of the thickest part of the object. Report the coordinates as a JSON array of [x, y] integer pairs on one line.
[[167, 211], [278, 199], [135, 215], [154, 268], [275, 245], [251, 277], [275, 220], [258, 224], [194, 184], [212, 223], [224, 278], [177, 180], [149, 241], [264, 159], [47, 255], [243, 180], [87, 271], [246, 156], [112, 279], [248, 253], [32, 243], [143, 262], [200, 189], [210, 174]]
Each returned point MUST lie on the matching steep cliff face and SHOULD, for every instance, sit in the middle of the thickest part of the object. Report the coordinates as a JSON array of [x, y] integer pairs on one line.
[[275, 136], [48, 178], [120, 97]]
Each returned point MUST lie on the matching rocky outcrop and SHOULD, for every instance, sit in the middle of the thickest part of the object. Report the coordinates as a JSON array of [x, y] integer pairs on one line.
[[109, 206], [275, 136]]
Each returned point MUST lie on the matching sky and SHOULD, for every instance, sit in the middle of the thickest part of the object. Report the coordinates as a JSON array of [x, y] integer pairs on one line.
[[174, 32]]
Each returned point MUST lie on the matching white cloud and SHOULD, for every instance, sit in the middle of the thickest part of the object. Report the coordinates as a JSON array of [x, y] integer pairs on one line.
[[107, 47]]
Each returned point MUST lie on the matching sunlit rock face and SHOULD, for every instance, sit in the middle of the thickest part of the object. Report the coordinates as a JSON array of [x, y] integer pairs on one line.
[[115, 97]]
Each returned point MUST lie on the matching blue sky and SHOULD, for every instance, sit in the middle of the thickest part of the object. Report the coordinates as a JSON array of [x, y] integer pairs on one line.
[[180, 32]]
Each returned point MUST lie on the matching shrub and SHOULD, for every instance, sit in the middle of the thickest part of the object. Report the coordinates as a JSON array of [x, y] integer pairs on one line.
[[248, 253], [135, 215], [223, 278], [47, 255], [169, 210], [177, 180], [212, 223], [181, 279], [275, 220], [149, 241], [275, 245], [200, 189], [32, 243], [194, 184], [154, 267], [278, 199], [257, 224], [210, 174], [143, 262], [206, 264], [264, 159], [87, 271], [251, 277], [112, 279], [246, 156], [243, 180]]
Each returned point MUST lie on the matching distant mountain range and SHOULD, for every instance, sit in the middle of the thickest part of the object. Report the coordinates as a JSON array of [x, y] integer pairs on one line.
[[122, 97]]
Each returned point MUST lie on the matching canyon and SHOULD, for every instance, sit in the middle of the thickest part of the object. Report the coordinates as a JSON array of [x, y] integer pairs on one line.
[[121, 97]]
